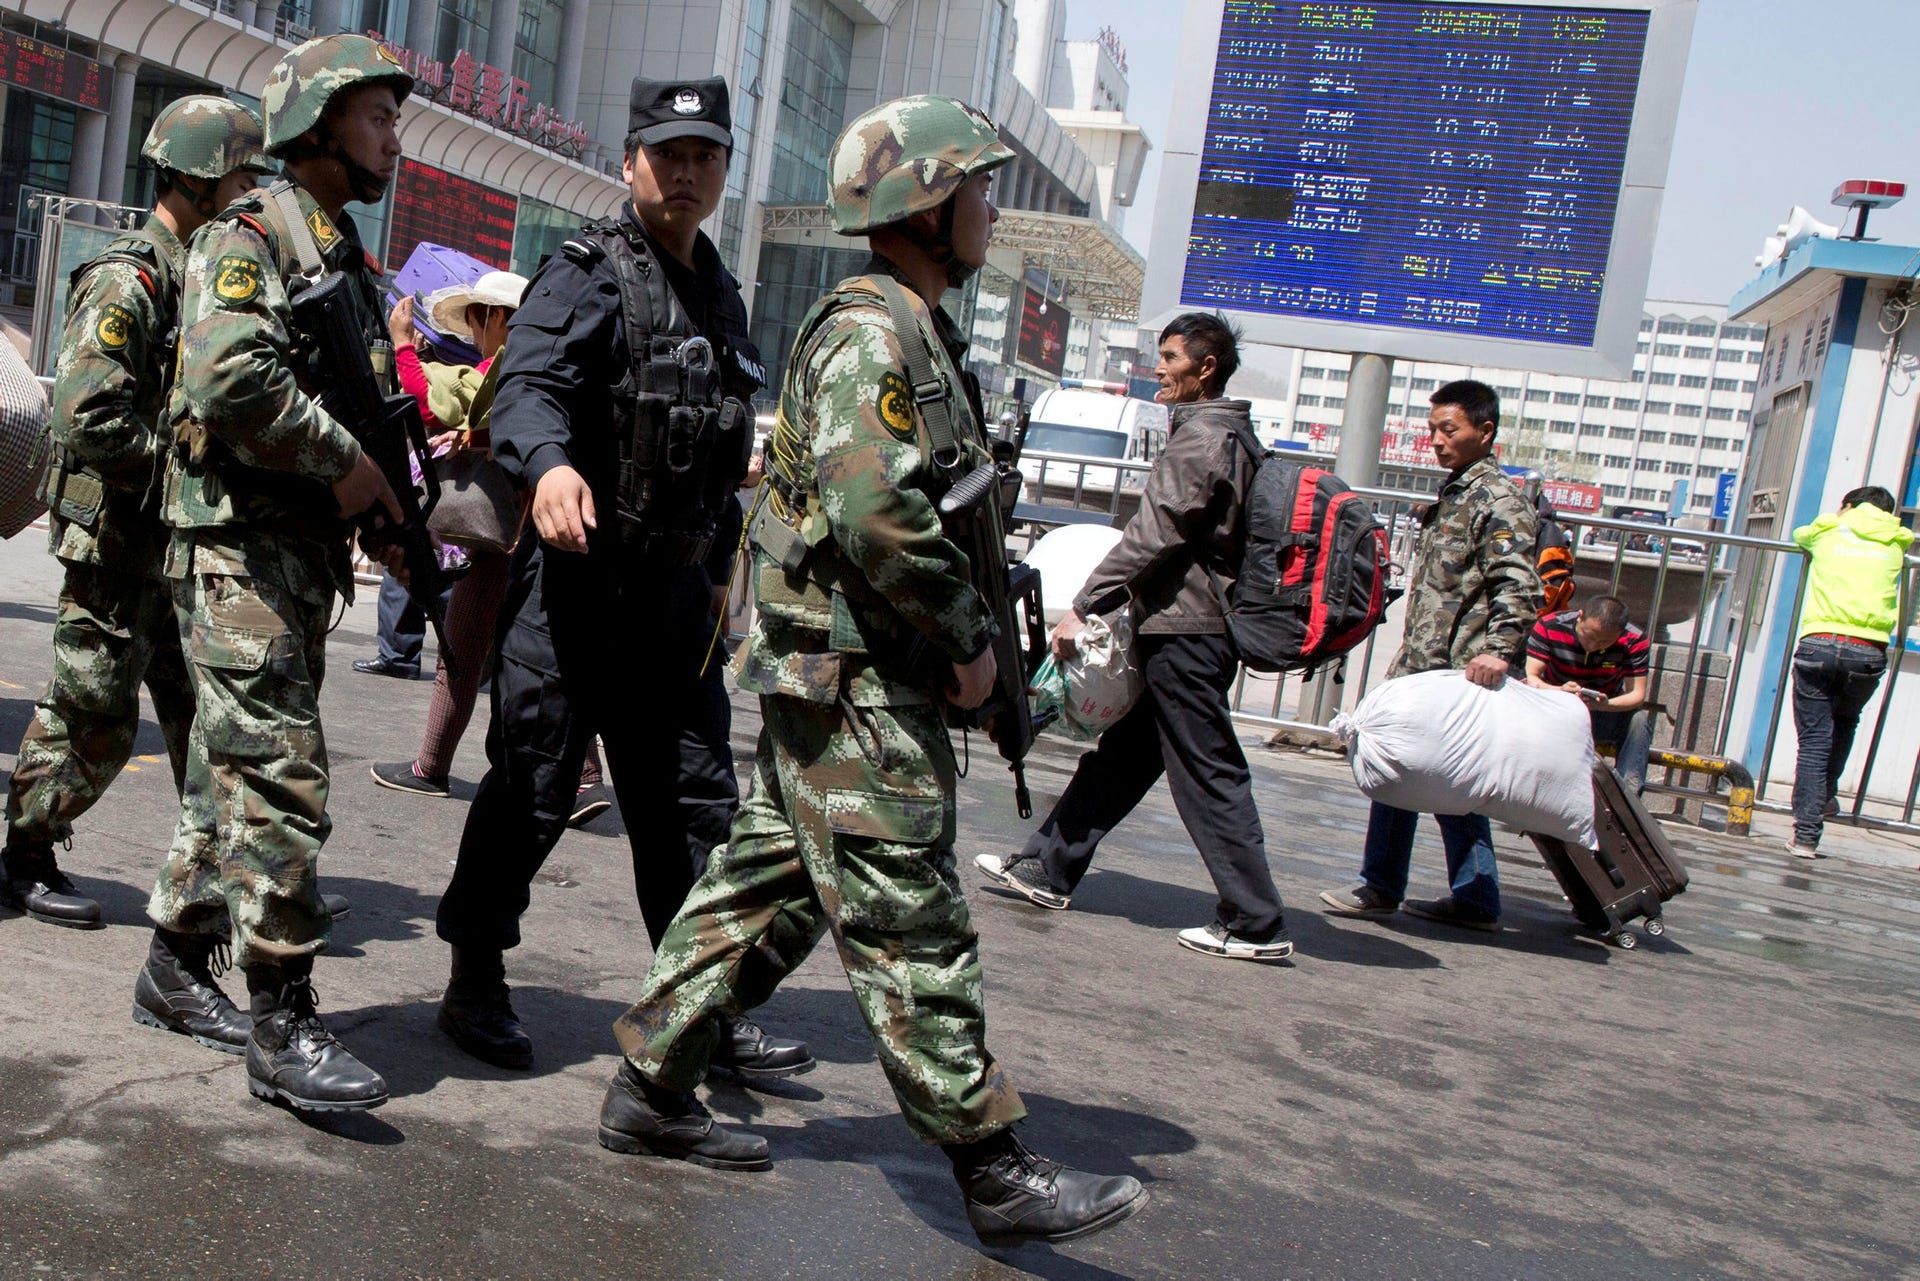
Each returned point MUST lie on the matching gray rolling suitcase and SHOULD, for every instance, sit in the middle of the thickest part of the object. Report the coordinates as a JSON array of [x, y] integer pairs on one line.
[[1631, 875]]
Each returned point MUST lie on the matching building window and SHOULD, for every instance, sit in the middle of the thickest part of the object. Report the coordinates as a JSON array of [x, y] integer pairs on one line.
[[1566, 397], [1309, 402], [1660, 380], [1628, 403], [1672, 327], [1312, 371], [1614, 491], [791, 279], [1561, 424], [1717, 442], [1337, 375], [1666, 349], [1336, 402], [1642, 348], [1589, 460], [1619, 433], [1507, 393], [1724, 415], [1706, 472], [1596, 402], [1646, 324], [1726, 384], [1679, 468], [1686, 411], [813, 103], [462, 25], [1682, 441], [1533, 424], [1700, 329], [1693, 380], [1699, 353], [749, 89], [1653, 438], [1754, 356], [1619, 462], [1423, 384], [1749, 388], [538, 231], [536, 47], [1644, 495], [1659, 406], [1646, 464]]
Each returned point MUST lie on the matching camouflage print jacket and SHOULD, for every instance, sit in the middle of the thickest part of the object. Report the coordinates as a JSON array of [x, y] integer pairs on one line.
[[109, 381], [253, 446], [1473, 590], [850, 470]]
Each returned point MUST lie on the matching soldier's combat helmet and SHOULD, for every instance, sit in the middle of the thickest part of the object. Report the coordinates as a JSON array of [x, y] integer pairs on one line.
[[207, 137], [907, 156], [302, 83]]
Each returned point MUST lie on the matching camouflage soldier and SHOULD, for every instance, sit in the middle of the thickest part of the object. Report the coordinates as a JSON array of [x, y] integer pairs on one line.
[[1471, 603], [260, 480], [848, 827], [115, 625]]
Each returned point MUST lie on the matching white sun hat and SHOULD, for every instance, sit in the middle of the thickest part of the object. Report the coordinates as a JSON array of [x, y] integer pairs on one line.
[[448, 310]]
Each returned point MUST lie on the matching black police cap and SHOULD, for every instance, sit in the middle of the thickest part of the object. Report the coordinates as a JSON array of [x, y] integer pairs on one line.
[[666, 109]]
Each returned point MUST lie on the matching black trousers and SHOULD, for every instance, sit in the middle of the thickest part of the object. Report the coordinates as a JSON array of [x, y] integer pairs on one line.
[[584, 649], [1181, 727]]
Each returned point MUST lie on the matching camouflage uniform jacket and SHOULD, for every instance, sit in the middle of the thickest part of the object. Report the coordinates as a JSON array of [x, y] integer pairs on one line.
[[1474, 589], [253, 446], [109, 381], [850, 469]]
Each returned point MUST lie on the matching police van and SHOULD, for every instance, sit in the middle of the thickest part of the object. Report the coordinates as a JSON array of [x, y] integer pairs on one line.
[[1078, 425]]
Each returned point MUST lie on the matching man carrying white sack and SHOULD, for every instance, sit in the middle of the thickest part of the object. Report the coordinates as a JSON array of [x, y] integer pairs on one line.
[[1471, 600]]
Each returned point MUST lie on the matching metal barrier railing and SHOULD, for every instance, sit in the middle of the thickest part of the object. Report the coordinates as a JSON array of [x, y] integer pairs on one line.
[[1681, 585]]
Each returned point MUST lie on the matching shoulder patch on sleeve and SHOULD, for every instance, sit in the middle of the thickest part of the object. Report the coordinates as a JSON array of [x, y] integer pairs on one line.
[[236, 279], [894, 403], [114, 327]]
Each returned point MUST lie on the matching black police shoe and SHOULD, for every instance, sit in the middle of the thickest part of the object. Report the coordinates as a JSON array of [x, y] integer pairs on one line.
[[638, 1116], [177, 993], [31, 882], [338, 906], [1018, 1197], [384, 666], [291, 1055], [748, 1051], [478, 1015]]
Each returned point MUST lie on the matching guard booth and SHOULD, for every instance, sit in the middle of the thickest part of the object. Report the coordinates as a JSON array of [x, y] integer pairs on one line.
[[1835, 409]]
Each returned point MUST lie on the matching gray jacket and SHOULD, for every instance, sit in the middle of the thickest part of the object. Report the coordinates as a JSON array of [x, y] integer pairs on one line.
[[1189, 522]]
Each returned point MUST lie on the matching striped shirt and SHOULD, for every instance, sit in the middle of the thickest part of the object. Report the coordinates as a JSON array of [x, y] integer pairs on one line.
[[1555, 643]]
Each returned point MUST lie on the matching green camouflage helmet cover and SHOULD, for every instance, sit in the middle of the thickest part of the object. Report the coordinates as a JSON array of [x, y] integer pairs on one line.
[[907, 156], [207, 137], [302, 83]]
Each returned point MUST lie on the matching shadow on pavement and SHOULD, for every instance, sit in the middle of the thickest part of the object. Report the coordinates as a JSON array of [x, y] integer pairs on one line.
[[1086, 1136], [401, 1040]]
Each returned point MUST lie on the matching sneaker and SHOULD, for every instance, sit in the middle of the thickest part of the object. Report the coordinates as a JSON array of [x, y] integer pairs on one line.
[[1217, 940], [1024, 881], [405, 776], [1361, 900], [1451, 911], [589, 803], [1798, 850]]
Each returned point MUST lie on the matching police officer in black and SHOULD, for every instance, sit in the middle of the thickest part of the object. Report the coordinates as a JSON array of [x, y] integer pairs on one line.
[[623, 406]]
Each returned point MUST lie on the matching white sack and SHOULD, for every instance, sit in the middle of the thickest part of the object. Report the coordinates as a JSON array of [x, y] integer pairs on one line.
[[1436, 743], [24, 445], [1103, 680]]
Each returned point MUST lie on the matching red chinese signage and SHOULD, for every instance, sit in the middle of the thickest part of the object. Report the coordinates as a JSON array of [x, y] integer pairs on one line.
[[49, 69], [489, 95], [1574, 499], [440, 208]]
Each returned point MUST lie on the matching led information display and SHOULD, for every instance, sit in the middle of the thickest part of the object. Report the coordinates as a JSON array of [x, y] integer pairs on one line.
[[441, 208], [1429, 166], [49, 69], [1042, 340]]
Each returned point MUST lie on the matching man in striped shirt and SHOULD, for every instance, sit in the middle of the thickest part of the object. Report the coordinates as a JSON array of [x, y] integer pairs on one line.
[[1596, 653]]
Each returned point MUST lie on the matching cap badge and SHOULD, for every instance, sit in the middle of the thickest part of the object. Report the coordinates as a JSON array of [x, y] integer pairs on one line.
[[687, 103]]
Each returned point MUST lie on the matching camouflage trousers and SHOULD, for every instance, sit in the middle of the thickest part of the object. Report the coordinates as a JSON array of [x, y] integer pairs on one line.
[[253, 812], [848, 829], [113, 631]]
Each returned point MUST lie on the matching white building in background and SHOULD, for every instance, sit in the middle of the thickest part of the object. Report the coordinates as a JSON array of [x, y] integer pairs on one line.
[[1684, 415]]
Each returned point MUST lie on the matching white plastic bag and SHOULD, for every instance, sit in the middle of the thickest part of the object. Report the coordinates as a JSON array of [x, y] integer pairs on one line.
[[1436, 743], [1103, 681], [24, 445]]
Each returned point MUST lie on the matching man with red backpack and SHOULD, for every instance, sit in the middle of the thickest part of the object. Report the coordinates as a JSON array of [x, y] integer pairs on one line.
[[1186, 538]]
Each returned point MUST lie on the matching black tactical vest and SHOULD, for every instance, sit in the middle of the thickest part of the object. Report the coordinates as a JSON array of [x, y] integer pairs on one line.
[[682, 434]]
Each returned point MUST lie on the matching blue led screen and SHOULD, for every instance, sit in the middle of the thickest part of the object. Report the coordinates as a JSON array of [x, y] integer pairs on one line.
[[1443, 167]]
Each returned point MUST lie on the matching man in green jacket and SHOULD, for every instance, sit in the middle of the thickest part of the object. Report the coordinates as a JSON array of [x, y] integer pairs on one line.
[[1854, 560]]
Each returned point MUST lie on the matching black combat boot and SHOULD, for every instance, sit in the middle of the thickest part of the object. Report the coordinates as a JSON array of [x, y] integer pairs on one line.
[[639, 1116], [292, 1056], [32, 882], [745, 1049], [176, 991], [476, 1013], [1014, 1196], [338, 906]]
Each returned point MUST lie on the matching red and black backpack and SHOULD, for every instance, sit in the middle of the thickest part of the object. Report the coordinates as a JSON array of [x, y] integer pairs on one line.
[[1314, 569]]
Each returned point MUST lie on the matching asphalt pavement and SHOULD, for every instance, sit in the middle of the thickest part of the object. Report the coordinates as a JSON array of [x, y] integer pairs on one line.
[[1737, 1098]]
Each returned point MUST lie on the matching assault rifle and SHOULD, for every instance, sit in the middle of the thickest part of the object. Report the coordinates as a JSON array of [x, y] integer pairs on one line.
[[972, 513], [389, 429]]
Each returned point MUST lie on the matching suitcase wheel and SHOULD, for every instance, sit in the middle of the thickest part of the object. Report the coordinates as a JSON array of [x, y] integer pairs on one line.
[[1625, 941], [1655, 927]]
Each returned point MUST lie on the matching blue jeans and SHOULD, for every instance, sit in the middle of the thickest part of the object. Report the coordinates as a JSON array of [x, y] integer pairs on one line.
[[1631, 735], [1468, 838], [1832, 681], [403, 626]]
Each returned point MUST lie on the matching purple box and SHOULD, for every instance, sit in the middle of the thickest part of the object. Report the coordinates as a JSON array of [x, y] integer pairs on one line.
[[429, 269]]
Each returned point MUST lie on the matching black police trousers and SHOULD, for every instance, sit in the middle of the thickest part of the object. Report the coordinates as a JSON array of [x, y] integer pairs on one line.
[[586, 648]]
